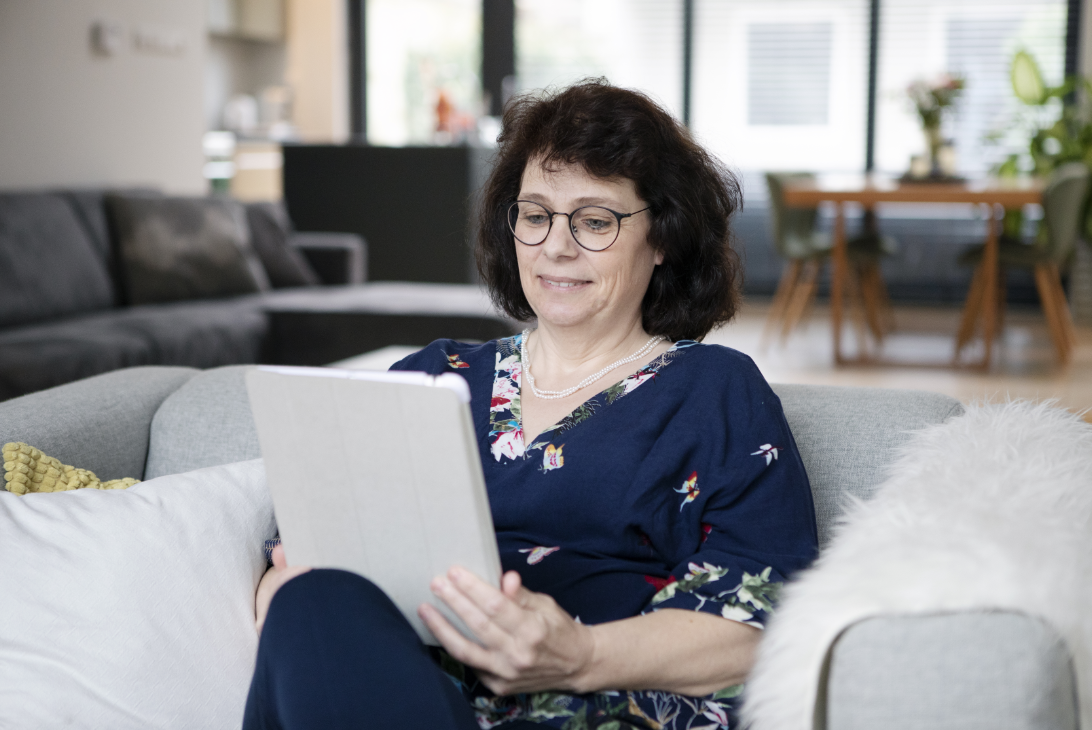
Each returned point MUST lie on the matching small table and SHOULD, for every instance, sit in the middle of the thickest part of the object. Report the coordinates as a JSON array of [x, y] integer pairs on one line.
[[868, 190]]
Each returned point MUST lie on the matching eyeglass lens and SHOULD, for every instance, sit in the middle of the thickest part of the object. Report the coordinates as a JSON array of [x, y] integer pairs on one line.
[[593, 227]]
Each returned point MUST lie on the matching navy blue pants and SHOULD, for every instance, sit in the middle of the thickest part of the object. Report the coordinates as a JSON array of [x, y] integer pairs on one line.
[[336, 653]]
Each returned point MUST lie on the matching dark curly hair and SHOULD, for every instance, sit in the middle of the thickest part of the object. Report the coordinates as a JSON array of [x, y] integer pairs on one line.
[[618, 133]]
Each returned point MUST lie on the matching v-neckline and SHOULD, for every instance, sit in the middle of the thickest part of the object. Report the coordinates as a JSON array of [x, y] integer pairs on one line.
[[590, 406]]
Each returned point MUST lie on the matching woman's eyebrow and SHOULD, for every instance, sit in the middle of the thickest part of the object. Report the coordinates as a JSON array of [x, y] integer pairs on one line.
[[598, 201], [578, 202]]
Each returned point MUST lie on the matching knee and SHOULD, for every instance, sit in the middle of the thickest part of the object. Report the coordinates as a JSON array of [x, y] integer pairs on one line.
[[334, 601]]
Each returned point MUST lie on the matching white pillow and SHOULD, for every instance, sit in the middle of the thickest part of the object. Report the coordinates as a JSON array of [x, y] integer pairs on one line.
[[134, 608]]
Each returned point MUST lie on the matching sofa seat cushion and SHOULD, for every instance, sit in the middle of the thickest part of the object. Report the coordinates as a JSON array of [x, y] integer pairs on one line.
[[197, 334], [200, 334], [49, 267], [37, 357], [174, 249], [133, 608]]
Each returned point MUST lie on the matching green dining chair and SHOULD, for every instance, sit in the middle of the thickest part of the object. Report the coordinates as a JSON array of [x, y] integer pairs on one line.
[[806, 249], [1050, 253]]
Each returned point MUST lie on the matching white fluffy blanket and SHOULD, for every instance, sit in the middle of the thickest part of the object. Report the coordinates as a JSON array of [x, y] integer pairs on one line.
[[1000, 492]]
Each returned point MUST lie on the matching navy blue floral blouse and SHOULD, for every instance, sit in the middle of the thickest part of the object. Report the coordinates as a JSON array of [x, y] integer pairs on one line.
[[678, 487]]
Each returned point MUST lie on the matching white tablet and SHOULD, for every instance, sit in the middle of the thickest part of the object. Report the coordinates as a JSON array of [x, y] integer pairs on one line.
[[377, 473]]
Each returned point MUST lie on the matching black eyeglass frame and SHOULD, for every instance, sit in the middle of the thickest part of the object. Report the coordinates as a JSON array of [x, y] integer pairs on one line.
[[619, 216]]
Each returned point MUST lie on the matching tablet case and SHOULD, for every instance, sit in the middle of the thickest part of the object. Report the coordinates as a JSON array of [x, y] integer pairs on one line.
[[377, 473]]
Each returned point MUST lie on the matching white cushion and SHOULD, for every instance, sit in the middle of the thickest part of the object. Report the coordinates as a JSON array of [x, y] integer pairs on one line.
[[134, 608]]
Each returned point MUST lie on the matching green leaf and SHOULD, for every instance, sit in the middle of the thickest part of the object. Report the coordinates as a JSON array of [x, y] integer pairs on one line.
[[1027, 80], [728, 692], [579, 721], [545, 705]]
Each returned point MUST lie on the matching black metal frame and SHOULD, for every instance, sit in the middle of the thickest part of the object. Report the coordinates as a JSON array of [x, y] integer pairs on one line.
[[358, 71], [572, 229], [688, 58], [873, 66], [499, 53]]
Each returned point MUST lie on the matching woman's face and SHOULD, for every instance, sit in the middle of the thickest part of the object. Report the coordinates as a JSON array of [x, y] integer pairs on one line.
[[567, 285]]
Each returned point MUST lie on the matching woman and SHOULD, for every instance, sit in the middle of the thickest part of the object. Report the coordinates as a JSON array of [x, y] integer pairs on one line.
[[646, 491]]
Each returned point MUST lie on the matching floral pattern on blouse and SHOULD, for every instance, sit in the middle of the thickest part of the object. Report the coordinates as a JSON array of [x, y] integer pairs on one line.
[[619, 710], [614, 521], [506, 417], [552, 458], [754, 593], [769, 451], [690, 489], [537, 553]]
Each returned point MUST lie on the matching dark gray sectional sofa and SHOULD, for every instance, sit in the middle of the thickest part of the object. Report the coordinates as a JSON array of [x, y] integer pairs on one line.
[[64, 314]]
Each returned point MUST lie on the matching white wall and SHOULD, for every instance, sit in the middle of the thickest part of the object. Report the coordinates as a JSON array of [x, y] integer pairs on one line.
[[72, 117]]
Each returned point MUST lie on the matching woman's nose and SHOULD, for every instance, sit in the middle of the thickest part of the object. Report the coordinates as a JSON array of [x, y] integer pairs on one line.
[[559, 241]]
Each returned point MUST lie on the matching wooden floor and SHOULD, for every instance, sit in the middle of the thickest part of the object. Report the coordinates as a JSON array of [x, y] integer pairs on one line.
[[1024, 365]]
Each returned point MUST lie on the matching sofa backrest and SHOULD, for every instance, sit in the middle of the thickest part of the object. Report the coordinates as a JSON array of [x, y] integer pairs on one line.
[[101, 423], [49, 266], [151, 421], [206, 422], [848, 436]]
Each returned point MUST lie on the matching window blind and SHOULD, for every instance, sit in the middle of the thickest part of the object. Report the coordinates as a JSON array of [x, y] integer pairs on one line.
[[976, 39], [782, 84]]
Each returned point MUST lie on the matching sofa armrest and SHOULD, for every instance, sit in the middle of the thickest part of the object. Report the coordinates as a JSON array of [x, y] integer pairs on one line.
[[337, 258], [959, 670], [101, 423]]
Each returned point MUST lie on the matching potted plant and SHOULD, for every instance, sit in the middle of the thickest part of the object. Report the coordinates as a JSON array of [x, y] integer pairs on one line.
[[931, 99], [1059, 128]]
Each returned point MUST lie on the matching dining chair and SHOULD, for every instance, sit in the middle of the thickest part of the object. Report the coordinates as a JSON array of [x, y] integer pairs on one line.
[[806, 249], [1050, 252]]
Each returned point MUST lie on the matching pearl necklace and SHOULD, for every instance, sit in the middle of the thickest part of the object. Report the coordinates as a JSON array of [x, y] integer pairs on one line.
[[525, 364]]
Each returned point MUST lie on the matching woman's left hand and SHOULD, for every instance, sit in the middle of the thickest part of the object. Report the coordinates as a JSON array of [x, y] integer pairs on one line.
[[529, 643]]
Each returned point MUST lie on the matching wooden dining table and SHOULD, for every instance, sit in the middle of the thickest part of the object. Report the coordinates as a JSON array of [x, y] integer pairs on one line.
[[870, 190]]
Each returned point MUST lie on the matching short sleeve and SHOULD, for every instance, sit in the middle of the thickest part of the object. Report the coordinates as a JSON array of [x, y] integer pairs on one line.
[[757, 523], [431, 359]]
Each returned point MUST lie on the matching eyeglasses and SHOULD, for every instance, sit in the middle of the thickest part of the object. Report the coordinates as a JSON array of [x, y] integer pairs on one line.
[[594, 227]]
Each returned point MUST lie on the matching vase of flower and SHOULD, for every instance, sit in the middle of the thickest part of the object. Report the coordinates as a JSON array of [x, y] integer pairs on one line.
[[931, 99]]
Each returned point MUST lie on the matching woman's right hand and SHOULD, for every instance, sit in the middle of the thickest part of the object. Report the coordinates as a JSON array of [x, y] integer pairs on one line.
[[273, 579]]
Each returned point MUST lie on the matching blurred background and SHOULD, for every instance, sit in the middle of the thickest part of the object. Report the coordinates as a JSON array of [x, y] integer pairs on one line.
[[346, 114]]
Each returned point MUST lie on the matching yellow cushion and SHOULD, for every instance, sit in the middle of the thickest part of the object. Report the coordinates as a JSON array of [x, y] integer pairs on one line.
[[26, 469]]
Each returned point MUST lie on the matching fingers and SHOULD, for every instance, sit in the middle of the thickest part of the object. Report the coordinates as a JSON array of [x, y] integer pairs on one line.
[[511, 583], [480, 611], [279, 561], [457, 645]]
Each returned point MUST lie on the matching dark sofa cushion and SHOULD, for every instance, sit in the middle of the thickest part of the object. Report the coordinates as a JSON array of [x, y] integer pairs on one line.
[[174, 249], [41, 356], [89, 205], [270, 230], [198, 334], [48, 265]]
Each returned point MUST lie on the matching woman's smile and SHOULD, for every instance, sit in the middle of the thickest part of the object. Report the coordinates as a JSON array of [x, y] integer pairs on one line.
[[563, 284]]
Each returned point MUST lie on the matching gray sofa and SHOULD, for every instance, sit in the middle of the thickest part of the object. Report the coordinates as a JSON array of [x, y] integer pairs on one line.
[[65, 314], [963, 670]]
